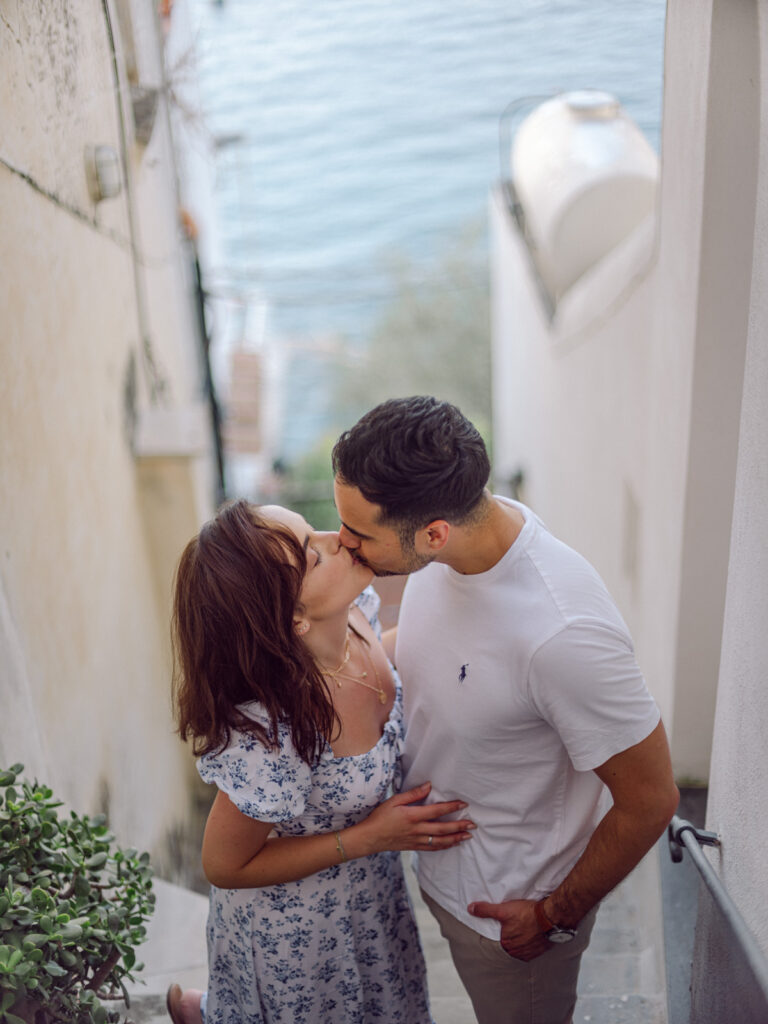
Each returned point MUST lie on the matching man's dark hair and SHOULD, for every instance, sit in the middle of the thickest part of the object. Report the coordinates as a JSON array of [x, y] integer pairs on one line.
[[418, 458]]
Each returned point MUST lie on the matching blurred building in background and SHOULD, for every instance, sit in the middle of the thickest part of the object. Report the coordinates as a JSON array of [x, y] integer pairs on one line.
[[109, 459]]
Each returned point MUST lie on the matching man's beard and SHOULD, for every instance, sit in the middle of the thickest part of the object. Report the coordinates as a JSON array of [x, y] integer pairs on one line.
[[412, 563]]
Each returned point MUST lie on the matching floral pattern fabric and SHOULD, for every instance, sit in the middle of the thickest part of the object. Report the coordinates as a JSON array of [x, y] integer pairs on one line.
[[337, 947]]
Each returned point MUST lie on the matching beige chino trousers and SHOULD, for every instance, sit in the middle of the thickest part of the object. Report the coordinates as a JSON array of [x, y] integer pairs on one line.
[[508, 991]]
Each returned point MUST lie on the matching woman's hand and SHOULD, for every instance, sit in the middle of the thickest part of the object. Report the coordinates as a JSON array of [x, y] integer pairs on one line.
[[238, 852], [397, 824]]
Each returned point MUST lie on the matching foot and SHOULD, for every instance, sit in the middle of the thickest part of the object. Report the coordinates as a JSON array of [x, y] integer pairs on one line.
[[184, 1007]]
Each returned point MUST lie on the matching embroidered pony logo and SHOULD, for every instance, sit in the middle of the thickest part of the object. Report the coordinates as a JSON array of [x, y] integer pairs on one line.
[[463, 672]]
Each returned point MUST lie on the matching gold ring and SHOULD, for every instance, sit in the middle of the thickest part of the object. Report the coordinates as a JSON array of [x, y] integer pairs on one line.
[[429, 840]]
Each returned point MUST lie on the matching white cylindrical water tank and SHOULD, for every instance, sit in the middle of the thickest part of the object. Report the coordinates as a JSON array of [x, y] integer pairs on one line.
[[585, 176]]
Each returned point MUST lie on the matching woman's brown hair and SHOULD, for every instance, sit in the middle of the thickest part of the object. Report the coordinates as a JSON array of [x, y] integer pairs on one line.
[[237, 591]]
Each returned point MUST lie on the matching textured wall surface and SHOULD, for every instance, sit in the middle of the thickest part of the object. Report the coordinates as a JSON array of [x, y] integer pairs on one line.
[[739, 776], [97, 325]]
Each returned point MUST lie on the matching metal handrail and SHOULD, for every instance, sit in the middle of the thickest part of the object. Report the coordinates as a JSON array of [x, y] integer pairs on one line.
[[682, 833]]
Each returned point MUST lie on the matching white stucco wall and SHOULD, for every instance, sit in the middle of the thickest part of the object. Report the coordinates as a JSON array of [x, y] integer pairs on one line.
[[739, 773], [89, 533], [623, 412]]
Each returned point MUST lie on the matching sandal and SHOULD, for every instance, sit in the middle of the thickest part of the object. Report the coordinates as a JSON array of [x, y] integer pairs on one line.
[[173, 1003]]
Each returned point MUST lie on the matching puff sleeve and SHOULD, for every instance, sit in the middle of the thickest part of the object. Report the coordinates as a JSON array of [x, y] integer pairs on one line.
[[269, 785]]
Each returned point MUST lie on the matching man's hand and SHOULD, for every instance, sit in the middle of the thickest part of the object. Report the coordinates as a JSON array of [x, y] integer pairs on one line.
[[521, 935]]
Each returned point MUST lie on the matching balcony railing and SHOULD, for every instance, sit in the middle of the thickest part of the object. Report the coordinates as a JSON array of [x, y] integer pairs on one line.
[[684, 835]]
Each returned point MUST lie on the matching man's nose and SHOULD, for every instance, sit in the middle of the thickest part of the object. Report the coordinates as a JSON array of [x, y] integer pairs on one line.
[[330, 539], [349, 540]]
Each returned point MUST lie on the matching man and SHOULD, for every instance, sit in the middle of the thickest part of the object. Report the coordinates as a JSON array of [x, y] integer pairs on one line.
[[522, 697]]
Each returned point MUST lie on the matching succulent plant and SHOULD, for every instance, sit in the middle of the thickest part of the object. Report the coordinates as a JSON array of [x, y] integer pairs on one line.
[[72, 908]]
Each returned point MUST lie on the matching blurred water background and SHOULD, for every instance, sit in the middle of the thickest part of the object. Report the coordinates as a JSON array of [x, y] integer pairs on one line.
[[354, 134]]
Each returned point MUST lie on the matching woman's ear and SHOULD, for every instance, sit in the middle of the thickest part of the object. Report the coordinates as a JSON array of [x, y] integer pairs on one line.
[[301, 626]]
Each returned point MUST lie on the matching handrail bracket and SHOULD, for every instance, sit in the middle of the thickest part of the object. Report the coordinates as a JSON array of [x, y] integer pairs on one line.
[[675, 831]]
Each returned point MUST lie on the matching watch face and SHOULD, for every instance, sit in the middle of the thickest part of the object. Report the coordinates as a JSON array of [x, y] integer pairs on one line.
[[561, 935]]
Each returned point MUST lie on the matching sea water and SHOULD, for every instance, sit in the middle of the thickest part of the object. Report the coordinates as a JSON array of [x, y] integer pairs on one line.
[[352, 129]]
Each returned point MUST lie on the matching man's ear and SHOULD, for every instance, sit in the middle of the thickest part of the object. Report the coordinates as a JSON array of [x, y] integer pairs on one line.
[[434, 537]]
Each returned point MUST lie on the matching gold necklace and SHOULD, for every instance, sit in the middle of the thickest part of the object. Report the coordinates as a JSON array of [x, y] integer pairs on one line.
[[337, 674], [332, 673]]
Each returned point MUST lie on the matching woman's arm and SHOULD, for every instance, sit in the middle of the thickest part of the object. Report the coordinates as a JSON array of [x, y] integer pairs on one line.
[[237, 853]]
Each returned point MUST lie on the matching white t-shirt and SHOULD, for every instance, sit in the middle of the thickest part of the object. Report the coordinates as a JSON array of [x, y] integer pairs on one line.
[[518, 682]]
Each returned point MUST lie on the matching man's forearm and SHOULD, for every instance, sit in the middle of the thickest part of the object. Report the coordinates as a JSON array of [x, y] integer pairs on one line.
[[617, 845]]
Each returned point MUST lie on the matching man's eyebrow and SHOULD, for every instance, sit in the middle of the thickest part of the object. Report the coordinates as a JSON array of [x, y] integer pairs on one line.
[[362, 536]]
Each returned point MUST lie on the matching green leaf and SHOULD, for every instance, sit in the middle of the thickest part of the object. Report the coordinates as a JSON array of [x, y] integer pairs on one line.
[[11, 1018], [82, 886], [55, 970]]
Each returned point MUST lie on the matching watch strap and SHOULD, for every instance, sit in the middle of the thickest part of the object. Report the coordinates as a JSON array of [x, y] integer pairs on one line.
[[543, 921]]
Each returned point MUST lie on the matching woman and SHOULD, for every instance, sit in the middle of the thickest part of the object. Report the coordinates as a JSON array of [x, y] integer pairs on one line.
[[288, 697]]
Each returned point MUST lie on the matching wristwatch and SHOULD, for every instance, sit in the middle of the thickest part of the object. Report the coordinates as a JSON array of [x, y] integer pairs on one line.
[[551, 931]]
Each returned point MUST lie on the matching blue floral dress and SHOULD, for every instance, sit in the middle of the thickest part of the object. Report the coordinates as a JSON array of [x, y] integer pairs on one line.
[[338, 947]]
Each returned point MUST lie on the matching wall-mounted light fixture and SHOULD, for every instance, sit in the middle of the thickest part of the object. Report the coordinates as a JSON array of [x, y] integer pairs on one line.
[[103, 172]]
